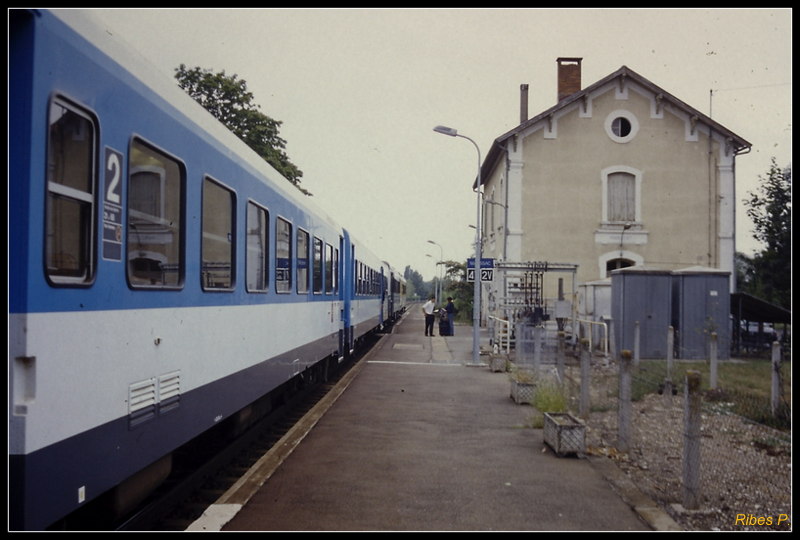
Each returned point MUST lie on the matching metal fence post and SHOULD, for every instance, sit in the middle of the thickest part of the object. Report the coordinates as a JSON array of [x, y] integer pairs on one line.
[[624, 411], [585, 357], [776, 377], [537, 348], [713, 354], [636, 337], [691, 440]]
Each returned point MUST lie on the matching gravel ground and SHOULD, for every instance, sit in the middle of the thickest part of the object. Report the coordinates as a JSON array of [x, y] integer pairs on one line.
[[746, 468]]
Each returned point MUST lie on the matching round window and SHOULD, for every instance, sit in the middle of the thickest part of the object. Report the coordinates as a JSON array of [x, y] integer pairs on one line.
[[621, 126]]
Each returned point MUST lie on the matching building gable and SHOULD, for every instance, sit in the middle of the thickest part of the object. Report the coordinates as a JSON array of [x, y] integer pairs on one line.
[[623, 81]]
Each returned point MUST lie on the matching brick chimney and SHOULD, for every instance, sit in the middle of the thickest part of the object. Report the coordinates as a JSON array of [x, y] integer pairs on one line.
[[569, 76]]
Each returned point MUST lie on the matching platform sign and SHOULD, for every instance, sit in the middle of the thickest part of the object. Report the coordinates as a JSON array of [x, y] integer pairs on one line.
[[487, 269]]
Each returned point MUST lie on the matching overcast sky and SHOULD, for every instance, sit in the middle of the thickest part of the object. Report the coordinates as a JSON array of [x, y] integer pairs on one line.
[[358, 92]]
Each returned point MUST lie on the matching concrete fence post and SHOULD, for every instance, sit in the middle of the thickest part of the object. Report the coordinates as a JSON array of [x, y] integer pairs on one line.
[[612, 338], [586, 354], [560, 355], [668, 379], [691, 440], [712, 383], [624, 410], [776, 377]]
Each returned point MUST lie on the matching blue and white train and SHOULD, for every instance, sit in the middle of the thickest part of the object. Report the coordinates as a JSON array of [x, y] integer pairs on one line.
[[163, 279]]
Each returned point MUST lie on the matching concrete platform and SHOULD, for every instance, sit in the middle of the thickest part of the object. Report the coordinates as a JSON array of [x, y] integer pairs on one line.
[[414, 439]]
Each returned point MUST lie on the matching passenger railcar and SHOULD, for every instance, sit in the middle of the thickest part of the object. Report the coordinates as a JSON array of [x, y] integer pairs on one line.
[[162, 277]]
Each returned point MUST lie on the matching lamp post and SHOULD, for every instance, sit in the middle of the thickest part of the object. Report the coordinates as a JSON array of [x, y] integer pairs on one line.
[[441, 261], [476, 301], [435, 277]]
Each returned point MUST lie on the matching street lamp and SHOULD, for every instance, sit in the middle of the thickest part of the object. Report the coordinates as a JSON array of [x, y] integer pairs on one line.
[[441, 261], [476, 300]]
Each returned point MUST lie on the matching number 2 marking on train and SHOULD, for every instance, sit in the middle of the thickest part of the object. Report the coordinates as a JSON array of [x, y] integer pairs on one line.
[[113, 175]]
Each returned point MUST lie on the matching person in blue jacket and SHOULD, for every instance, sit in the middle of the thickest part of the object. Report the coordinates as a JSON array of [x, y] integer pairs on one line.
[[451, 310]]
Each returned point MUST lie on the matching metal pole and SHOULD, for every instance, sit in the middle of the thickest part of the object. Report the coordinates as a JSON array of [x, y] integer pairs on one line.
[[439, 268], [476, 300]]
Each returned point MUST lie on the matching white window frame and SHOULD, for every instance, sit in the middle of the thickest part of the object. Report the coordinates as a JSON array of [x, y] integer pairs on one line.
[[637, 176], [630, 117]]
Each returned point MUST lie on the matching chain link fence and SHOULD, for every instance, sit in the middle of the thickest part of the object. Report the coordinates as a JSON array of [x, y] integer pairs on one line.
[[714, 459]]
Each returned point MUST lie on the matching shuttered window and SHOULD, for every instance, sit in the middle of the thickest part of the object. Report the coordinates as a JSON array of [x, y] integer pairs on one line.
[[621, 197]]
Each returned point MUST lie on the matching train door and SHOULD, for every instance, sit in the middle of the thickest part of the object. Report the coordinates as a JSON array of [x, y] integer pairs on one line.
[[384, 314], [391, 288], [345, 295]]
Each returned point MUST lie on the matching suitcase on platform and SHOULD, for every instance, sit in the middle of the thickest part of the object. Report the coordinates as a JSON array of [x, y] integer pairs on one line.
[[444, 327]]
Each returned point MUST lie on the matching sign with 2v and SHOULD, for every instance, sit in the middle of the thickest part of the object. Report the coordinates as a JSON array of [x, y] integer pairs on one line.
[[487, 269]]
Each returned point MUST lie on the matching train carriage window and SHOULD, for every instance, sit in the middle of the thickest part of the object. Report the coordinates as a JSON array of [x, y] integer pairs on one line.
[[257, 248], [217, 269], [155, 219], [328, 269], [283, 256], [317, 278], [302, 261], [70, 211]]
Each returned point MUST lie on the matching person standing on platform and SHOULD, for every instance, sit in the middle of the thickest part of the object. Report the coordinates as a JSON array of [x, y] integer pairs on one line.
[[427, 309], [451, 310]]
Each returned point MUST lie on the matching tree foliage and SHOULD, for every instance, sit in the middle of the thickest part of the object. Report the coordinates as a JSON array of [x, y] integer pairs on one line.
[[416, 286], [461, 290], [454, 284], [770, 208], [227, 98]]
